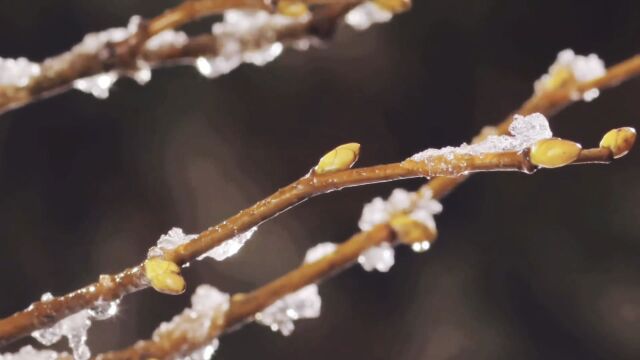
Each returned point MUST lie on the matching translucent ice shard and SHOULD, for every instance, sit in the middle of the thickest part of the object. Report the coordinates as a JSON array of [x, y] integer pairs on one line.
[[75, 327], [230, 247]]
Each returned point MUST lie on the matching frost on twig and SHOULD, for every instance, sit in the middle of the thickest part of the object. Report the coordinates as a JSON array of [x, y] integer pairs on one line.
[[247, 36], [17, 72], [176, 237], [196, 323], [305, 303], [75, 327], [366, 14], [419, 206], [525, 131], [570, 69], [29, 353]]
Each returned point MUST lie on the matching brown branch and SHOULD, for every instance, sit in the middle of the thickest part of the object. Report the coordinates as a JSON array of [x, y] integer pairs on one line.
[[110, 287], [243, 307], [41, 315], [58, 73], [547, 103]]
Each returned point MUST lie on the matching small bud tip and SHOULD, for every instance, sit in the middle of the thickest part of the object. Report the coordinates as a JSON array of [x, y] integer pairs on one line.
[[341, 158], [164, 276], [619, 141]]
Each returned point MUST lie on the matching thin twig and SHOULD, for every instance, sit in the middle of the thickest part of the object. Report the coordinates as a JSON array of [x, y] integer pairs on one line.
[[58, 73], [41, 315], [243, 307]]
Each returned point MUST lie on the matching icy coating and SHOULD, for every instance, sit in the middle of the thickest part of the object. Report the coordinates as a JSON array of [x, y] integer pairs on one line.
[[17, 72], [581, 68], [245, 36], [420, 206], [29, 353], [380, 258], [305, 303], [166, 39], [366, 14], [208, 304], [525, 131], [100, 84], [75, 327], [176, 237]]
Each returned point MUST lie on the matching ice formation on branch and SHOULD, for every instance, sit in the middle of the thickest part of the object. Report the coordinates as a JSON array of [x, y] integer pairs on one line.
[[17, 72], [166, 39], [420, 206], [245, 36], [75, 327], [525, 131], [100, 84], [302, 304], [366, 14], [380, 258], [29, 353], [230, 247], [570, 67], [208, 306], [176, 237]]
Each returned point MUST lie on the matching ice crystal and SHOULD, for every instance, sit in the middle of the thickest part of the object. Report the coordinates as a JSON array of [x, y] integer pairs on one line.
[[75, 327], [17, 72], [208, 304], [204, 353], [229, 247], [100, 84], [420, 206], [578, 67], [245, 36], [366, 14], [166, 39], [176, 237], [319, 251], [97, 85], [29, 353], [380, 258], [304, 303], [525, 131]]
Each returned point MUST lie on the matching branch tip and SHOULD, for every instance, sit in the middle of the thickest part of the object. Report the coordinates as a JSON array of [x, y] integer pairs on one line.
[[619, 141]]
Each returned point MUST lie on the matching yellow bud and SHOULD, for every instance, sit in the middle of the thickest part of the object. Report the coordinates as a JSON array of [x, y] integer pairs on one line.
[[340, 158], [410, 231], [619, 141], [395, 6], [554, 152], [164, 276], [293, 8]]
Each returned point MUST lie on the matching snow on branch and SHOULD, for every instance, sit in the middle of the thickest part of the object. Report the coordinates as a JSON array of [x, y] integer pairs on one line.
[[251, 31]]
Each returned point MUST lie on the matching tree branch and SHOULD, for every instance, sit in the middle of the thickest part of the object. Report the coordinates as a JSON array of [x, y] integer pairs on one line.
[[111, 287], [243, 307], [57, 74]]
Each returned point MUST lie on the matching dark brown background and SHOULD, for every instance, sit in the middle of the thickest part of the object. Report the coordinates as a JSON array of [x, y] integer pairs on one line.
[[526, 267]]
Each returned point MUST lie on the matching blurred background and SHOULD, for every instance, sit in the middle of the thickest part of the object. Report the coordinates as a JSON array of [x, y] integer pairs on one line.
[[526, 267]]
